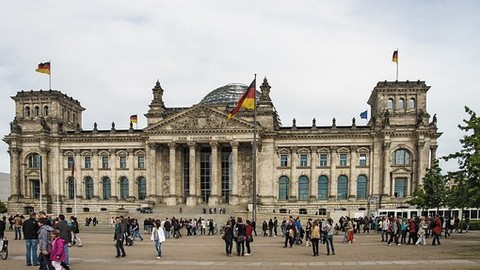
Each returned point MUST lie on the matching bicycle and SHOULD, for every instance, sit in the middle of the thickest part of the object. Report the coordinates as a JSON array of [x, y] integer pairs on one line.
[[4, 250]]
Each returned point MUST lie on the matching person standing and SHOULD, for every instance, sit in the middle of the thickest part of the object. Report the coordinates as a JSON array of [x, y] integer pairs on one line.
[[422, 227], [275, 226], [17, 225], [228, 238], [65, 234], [118, 236], [315, 236], [240, 234], [329, 236], [290, 232], [436, 230], [158, 237], [30, 234]]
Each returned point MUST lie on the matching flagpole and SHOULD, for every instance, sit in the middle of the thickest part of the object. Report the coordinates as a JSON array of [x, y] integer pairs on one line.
[[41, 184], [50, 77], [397, 66], [254, 184]]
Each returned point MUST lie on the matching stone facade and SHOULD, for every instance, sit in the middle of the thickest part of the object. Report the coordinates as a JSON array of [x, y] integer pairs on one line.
[[195, 156]]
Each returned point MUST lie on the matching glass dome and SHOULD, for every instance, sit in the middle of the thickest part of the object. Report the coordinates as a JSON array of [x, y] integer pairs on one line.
[[228, 94]]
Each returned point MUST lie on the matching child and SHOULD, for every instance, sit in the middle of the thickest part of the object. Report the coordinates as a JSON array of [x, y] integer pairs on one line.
[[57, 254]]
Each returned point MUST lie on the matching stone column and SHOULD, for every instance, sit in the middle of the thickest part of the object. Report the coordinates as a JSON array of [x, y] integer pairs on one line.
[[172, 199], [294, 177], [151, 159], [352, 190], [333, 173], [192, 196], [213, 200], [131, 175], [387, 181], [113, 169], [78, 174], [234, 199], [15, 191], [98, 191], [313, 179]]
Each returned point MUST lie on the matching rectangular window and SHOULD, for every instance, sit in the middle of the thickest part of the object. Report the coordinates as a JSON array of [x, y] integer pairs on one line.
[[323, 160], [303, 160], [362, 159], [400, 187], [104, 162], [283, 160], [70, 162], [343, 159], [36, 188], [141, 162], [123, 162], [88, 162]]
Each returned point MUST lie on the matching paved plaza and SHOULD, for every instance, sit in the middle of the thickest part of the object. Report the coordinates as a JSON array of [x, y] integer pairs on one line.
[[462, 251]]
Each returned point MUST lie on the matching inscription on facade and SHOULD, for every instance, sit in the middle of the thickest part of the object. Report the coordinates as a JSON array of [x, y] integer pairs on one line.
[[203, 138]]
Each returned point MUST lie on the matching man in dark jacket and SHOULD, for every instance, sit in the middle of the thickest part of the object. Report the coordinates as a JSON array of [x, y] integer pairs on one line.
[[118, 236], [65, 234], [30, 233]]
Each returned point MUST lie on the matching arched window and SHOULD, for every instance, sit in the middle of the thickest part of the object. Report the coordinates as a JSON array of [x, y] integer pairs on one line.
[[71, 188], [37, 111], [342, 187], [390, 103], [27, 111], [34, 161], [88, 188], [411, 103], [401, 157], [323, 187], [361, 187], [283, 188], [123, 188], [142, 188], [401, 104], [303, 188], [45, 111], [107, 188]]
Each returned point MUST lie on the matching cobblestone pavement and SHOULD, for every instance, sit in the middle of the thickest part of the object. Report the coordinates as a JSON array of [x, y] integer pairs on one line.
[[462, 251]]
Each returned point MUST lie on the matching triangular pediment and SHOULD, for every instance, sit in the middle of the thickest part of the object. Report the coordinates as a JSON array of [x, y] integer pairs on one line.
[[402, 170], [198, 117]]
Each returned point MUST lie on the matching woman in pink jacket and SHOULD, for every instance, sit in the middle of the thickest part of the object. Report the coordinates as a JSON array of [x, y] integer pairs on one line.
[[57, 254]]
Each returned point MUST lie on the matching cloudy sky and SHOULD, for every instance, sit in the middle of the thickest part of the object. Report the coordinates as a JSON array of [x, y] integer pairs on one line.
[[322, 58]]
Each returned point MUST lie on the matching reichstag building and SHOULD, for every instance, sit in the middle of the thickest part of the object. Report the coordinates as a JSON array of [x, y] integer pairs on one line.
[[195, 156]]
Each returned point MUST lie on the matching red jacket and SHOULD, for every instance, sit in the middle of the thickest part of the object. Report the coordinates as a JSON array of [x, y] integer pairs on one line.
[[438, 226]]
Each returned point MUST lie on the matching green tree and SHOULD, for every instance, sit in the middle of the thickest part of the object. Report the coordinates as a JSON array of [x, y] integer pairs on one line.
[[418, 197], [469, 159], [3, 208], [434, 187]]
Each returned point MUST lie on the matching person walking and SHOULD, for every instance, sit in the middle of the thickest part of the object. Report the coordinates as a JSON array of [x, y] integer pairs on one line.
[[118, 236], [65, 234], [290, 232], [228, 238], [422, 228], [44, 243], [158, 237], [57, 252], [30, 234], [249, 237], [75, 228]]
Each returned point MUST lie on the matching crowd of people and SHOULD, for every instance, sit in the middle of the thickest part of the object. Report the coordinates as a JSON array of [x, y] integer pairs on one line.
[[47, 239]]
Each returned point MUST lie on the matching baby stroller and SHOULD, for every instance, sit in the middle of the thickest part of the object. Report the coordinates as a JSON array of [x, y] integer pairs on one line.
[[4, 250]]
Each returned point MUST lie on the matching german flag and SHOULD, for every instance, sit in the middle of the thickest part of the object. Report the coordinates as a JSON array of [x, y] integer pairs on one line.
[[133, 119], [247, 101], [44, 68], [395, 56]]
